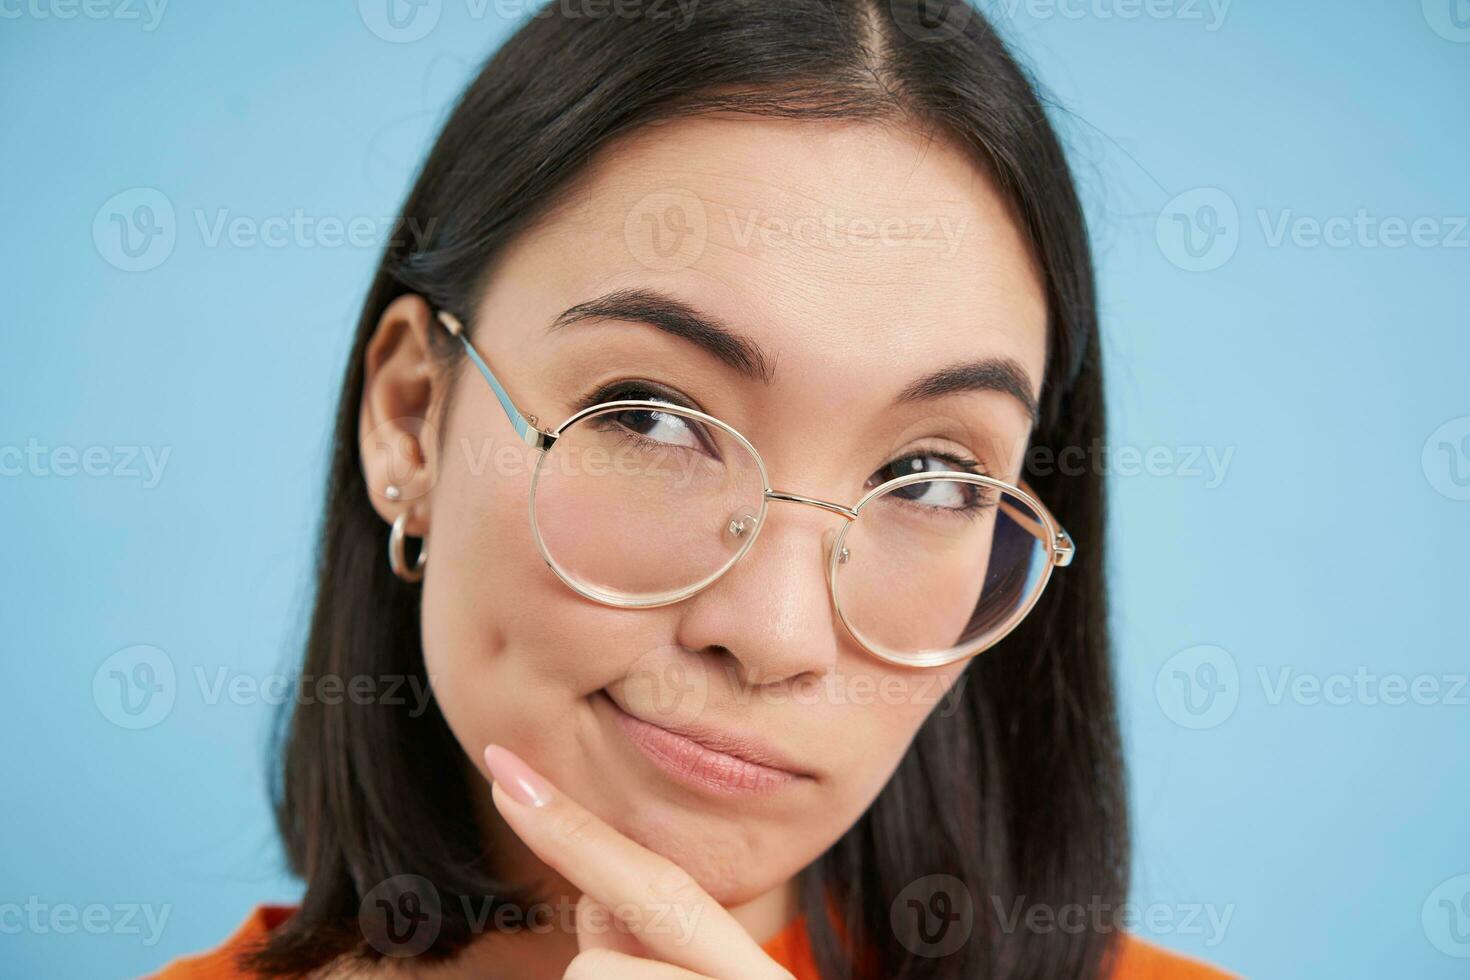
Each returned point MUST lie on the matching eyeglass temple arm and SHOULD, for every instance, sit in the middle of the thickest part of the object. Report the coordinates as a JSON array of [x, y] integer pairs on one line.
[[1062, 548], [523, 424]]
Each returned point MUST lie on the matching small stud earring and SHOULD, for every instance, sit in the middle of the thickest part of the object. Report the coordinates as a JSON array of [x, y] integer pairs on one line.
[[392, 492]]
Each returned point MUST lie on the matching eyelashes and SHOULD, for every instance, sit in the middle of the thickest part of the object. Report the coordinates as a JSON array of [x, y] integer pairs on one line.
[[639, 390], [634, 390]]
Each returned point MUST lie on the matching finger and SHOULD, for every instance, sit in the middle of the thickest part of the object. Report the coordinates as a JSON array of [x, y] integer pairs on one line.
[[607, 964], [598, 928], [661, 902]]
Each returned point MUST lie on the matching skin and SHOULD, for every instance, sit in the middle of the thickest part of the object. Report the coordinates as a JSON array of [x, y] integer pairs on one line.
[[516, 658]]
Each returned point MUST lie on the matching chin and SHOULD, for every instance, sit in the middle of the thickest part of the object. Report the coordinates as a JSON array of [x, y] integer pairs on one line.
[[733, 861]]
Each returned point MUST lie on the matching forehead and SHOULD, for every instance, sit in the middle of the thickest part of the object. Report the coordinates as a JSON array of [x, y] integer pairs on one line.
[[852, 252]]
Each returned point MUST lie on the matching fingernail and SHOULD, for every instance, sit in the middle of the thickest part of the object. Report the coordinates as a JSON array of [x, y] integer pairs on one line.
[[519, 779]]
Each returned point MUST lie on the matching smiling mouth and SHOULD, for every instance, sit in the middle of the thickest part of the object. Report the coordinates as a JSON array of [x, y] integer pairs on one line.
[[715, 762]]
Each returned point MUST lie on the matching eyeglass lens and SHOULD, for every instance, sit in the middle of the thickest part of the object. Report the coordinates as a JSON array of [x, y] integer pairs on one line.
[[636, 505]]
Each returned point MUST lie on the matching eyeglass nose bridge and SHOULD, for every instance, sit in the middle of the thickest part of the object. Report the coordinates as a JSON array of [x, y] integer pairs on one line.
[[797, 498], [740, 527]]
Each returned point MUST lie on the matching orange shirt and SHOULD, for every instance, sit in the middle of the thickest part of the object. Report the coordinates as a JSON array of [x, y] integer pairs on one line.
[[1140, 960]]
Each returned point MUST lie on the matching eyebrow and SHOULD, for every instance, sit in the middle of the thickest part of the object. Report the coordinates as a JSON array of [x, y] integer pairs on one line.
[[675, 317]]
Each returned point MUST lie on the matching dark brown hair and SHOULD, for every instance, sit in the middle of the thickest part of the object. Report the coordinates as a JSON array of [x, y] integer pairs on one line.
[[1019, 793]]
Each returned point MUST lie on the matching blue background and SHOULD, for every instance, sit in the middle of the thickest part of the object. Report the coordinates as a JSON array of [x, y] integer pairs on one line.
[[1334, 544]]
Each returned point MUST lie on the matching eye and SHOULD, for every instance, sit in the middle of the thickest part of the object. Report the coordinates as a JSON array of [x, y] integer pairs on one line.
[[936, 494], [660, 427], [648, 425]]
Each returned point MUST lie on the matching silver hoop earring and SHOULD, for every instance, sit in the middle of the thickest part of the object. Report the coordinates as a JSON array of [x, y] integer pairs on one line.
[[396, 560]]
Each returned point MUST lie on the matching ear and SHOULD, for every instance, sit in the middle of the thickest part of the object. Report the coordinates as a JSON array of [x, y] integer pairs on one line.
[[397, 439]]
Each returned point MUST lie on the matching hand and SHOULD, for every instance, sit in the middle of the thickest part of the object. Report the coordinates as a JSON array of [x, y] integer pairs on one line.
[[657, 901]]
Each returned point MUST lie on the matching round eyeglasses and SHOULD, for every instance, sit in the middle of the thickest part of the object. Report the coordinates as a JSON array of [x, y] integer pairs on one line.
[[638, 504]]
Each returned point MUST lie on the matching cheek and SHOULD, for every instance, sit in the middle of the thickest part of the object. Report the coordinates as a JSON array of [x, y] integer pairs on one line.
[[510, 650], [879, 712], [479, 550], [503, 638]]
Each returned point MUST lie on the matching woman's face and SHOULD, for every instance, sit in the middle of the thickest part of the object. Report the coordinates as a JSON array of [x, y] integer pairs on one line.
[[851, 259]]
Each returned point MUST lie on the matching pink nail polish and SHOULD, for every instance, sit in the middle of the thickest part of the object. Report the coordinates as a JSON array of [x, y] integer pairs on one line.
[[519, 779]]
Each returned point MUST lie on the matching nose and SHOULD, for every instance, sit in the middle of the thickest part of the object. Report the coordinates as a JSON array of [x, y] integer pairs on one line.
[[772, 610]]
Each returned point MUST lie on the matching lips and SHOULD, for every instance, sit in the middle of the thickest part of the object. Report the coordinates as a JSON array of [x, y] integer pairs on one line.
[[705, 758]]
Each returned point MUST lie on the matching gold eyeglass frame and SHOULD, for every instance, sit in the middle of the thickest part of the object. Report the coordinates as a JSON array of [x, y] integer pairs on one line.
[[1060, 546]]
